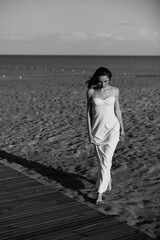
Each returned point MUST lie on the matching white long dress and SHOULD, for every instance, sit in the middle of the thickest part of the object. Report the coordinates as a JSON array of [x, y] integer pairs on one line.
[[105, 135]]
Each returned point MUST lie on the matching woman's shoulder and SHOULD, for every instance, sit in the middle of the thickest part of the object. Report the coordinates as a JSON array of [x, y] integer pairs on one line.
[[90, 92], [116, 91]]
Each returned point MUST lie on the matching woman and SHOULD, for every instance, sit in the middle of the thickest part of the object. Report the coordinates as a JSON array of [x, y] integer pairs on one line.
[[105, 125]]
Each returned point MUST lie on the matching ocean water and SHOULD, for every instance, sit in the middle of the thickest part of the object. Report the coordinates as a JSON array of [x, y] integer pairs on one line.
[[131, 65]]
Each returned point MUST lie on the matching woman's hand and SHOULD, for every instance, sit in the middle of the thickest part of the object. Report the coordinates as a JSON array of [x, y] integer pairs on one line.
[[122, 135]]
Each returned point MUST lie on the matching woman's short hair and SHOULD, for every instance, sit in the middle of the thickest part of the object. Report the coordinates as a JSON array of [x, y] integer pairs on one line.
[[102, 71]]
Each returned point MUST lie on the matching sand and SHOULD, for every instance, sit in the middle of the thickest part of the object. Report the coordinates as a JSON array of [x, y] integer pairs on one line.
[[44, 130]]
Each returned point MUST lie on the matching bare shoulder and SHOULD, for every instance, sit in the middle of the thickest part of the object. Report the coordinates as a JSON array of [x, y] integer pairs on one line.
[[116, 90], [90, 92]]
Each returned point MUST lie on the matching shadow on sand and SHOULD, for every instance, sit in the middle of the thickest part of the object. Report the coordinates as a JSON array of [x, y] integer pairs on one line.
[[67, 180]]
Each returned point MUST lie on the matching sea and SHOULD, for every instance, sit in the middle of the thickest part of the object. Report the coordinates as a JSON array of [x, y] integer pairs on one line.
[[146, 65]]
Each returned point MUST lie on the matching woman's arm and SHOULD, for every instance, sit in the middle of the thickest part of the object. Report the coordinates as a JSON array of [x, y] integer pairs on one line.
[[89, 112], [119, 114]]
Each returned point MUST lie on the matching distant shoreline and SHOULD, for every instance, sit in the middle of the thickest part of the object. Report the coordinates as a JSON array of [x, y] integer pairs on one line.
[[61, 55]]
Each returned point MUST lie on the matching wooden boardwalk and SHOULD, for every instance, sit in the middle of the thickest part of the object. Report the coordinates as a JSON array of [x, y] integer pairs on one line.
[[29, 210]]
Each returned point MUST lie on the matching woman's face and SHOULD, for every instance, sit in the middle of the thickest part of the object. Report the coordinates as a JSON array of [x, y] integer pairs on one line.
[[103, 81]]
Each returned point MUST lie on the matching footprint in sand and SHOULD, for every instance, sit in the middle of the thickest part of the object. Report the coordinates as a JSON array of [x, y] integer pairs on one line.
[[154, 168], [119, 169]]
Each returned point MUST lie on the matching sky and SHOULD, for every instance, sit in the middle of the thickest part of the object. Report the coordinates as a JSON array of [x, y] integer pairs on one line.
[[80, 27]]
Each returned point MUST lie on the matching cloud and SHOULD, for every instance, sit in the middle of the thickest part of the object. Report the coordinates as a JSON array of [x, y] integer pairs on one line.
[[107, 36], [146, 34], [78, 43], [127, 23], [143, 41], [79, 36], [11, 37], [120, 38], [74, 36], [155, 35], [104, 35], [64, 37], [143, 32]]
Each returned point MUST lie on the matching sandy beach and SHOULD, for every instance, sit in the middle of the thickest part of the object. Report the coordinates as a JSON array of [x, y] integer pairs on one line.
[[44, 129]]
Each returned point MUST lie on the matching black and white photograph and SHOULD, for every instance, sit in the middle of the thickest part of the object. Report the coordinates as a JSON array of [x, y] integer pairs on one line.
[[79, 119]]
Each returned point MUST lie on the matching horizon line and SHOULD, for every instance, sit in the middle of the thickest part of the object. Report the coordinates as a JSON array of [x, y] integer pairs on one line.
[[81, 55]]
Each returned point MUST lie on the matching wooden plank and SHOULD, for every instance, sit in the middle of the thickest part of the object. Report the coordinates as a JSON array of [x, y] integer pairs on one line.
[[45, 206], [24, 191], [5, 171], [69, 236], [101, 231], [10, 177], [139, 236], [31, 206], [18, 186], [34, 208], [110, 229], [11, 182], [39, 202], [112, 232], [40, 197], [30, 212], [4, 168], [72, 233], [2, 165], [22, 196], [9, 173], [38, 218], [52, 226], [35, 192], [43, 214]]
